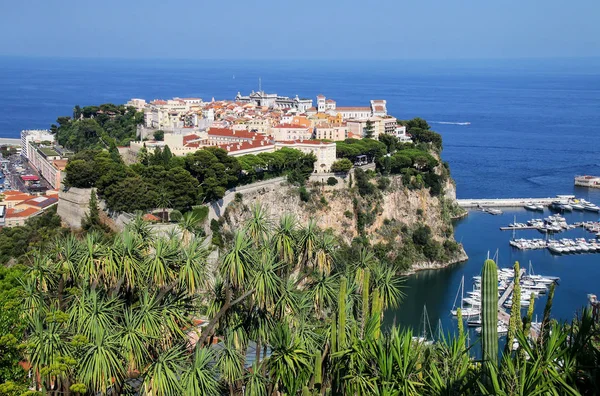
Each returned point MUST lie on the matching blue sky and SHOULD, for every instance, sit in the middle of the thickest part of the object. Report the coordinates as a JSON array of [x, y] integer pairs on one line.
[[376, 29]]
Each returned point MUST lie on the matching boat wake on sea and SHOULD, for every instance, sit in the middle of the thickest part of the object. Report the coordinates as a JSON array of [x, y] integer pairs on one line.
[[449, 123]]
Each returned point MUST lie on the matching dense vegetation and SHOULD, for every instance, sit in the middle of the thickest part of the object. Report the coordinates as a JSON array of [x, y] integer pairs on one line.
[[289, 312], [414, 161], [103, 126], [15, 242], [161, 180]]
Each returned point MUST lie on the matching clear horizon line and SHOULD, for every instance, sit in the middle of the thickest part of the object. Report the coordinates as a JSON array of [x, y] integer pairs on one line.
[[315, 59]]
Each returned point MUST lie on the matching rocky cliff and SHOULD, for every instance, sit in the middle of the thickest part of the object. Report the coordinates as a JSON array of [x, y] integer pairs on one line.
[[406, 225], [388, 218]]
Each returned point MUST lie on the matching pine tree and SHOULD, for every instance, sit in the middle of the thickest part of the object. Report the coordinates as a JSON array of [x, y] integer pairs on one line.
[[143, 155], [91, 221], [166, 155], [369, 130]]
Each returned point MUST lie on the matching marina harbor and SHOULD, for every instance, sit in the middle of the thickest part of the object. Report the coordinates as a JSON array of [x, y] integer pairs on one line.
[[559, 203], [502, 202], [532, 286]]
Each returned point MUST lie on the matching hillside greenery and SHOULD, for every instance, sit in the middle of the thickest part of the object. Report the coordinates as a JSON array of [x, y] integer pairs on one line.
[[96, 127], [161, 180], [417, 162], [287, 311], [15, 242]]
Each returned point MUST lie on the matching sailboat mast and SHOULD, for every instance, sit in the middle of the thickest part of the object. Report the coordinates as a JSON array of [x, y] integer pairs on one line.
[[462, 292]]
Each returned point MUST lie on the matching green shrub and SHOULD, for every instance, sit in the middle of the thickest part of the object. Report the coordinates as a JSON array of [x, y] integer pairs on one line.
[[238, 197], [348, 214], [201, 211], [383, 183], [332, 181], [217, 238], [304, 194], [362, 182], [421, 235], [341, 165], [433, 250], [323, 200], [175, 215]]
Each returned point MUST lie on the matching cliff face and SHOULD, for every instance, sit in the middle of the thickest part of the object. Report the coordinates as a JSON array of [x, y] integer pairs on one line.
[[386, 218]]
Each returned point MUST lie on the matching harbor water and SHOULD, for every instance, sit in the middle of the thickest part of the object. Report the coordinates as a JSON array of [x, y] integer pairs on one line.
[[480, 234]]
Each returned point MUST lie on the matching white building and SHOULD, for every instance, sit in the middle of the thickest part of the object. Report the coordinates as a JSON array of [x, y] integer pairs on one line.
[[290, 132], [377, 108], [34, 135], [273, 100], [139, 104], [324, 151]]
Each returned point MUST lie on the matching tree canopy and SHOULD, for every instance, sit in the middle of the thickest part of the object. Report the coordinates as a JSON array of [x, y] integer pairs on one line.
[[98, 126], [202, 176]]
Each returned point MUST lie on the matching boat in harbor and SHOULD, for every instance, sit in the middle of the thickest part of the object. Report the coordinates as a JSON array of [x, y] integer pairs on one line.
[[590, 207], [502, 328], [577, 206], [531, 206], [587, 181], [465, 311]]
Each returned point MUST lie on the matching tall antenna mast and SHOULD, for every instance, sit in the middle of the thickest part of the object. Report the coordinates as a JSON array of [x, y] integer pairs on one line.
[[259, 85]]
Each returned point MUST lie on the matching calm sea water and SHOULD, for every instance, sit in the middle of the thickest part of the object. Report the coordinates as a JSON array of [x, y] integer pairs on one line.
[[533, 126]]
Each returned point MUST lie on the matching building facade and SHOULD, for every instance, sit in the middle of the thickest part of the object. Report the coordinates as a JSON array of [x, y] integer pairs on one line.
[[290, 132], [324, 151], [334, 132], [272, 100], [36, 136]]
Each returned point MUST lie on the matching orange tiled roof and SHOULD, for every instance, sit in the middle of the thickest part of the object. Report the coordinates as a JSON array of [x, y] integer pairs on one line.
[[307, 141], [291, 126], [150, 217], [17, 213], [189, 138], [19, 197], [60, 164], [231, 133], [246, 145]]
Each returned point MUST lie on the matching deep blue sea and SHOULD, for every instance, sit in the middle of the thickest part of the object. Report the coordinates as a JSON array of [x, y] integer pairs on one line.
[[534, 125]]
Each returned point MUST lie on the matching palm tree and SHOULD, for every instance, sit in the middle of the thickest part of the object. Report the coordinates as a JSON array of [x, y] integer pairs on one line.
[[163, 201], [134, 342], [189, 224], [259, 225], [140, 227], [237, 262], [231, 363], [46, 344], [389, 285], [289, 363], [163, 376], [307, 243], [201, 378], [160, 262], [283, 241], [193, 266], [324, 254], [256, 382], [126, 257], [324, 290], [100, 365]]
